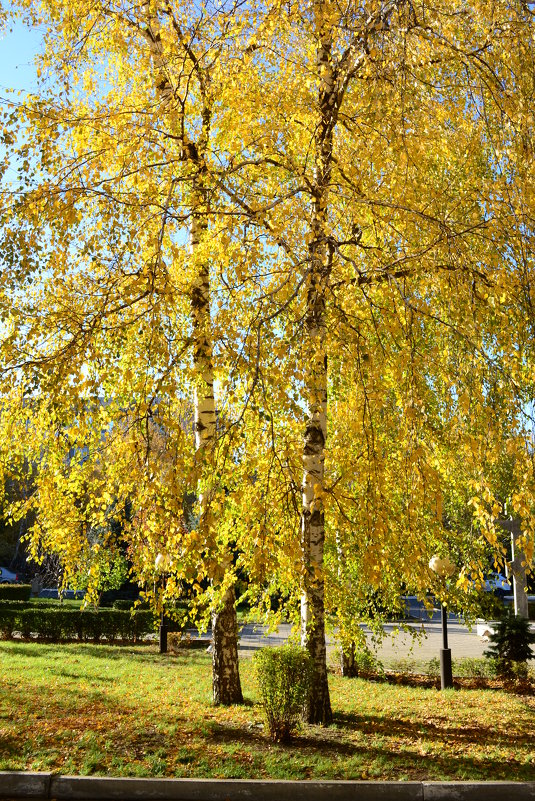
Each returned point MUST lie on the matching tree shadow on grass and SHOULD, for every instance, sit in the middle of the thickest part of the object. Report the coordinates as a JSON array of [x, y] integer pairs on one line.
[[62, 703], [411, 759], [393, 761], [84, 675], [391, 747], [40, 649], [25, 649], [147, 657], [235, 734], [11, 745], [485, 735], [103, 650], [58, 720]]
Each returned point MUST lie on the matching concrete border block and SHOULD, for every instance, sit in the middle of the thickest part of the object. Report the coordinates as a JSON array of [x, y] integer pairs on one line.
[[479, 791], [95, 788], [24, 784], [46, 786]]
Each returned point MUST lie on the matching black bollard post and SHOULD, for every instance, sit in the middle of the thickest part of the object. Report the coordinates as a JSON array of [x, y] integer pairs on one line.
[[446, 675], [163, 634]]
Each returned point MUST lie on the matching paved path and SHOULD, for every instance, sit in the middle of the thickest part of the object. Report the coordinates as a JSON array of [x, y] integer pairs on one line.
[[462, 641], [396, 644]]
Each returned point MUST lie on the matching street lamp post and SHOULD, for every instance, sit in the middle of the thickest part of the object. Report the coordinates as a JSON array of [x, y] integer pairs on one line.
[[446, 673], [162, 634], [444, 568], [161, 563]]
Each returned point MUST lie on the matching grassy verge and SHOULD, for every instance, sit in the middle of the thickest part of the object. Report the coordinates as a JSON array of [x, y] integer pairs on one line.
[[84, 709]]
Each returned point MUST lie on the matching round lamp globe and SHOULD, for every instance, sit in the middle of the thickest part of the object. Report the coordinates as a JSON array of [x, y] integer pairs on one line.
[[442, 566]]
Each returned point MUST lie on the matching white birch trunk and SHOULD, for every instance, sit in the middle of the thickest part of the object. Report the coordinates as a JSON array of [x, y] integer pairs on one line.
[[313, 519], [225, 670], [226, 685], [313, 533]]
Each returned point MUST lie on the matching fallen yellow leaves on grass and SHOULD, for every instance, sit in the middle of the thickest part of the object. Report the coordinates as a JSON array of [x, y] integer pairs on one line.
[[133, 712]]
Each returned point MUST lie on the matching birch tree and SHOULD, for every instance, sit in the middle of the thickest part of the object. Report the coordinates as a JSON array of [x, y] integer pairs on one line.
[[137, 170], [226, 681], [387, 226]]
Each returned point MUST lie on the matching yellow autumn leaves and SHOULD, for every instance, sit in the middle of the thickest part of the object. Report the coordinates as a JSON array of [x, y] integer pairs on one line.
[[424, 232]]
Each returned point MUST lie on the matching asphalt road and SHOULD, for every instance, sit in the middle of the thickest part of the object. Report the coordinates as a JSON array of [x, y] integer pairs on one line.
[[422, 643]]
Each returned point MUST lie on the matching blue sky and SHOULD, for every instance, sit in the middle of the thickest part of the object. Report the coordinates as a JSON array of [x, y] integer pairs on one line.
[[18, 46]]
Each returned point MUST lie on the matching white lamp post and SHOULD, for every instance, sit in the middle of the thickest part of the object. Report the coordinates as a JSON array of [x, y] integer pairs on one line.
[[161, 565], [444, 567]]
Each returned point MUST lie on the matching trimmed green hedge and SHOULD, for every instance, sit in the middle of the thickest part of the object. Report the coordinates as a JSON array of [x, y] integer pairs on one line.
[[33, 602], [57, 624], [15, 592], [40, 603], [122, 604]]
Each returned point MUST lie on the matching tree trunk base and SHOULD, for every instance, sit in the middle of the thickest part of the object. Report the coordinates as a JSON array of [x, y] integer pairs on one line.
[[318, 709], [348, 665], [226, 685]]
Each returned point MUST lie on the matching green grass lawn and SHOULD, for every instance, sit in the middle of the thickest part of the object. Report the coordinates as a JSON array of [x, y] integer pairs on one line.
[[95, 709]]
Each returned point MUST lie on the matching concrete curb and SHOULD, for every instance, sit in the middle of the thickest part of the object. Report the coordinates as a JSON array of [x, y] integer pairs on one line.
[[48, 786], [24, 785]]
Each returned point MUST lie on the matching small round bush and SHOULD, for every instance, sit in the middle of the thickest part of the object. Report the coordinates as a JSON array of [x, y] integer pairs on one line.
[[284, 677]]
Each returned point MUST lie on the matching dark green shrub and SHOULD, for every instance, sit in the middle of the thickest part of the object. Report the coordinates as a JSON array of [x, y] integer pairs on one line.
[[56, 623], [49, 623], [15, 592], [135, 624], [8, 619], [115, 624], [25, 624], [52, 624], [111, 624], [121, 603], [511, 645], [92, 624], [15, 605], [284, 676], [38, 603]]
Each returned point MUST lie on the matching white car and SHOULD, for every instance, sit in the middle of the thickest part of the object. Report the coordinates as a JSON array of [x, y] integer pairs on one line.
[[8, 577]]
